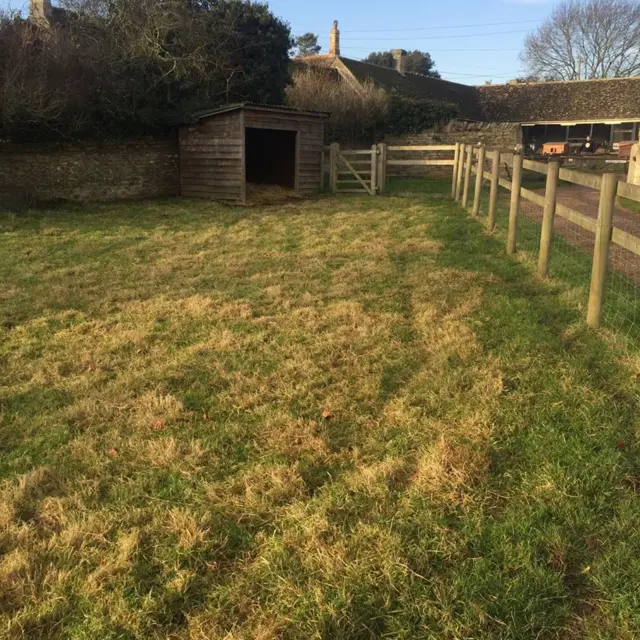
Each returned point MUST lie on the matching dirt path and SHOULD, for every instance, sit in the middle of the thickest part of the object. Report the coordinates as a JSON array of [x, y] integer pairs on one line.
[[585, 201]]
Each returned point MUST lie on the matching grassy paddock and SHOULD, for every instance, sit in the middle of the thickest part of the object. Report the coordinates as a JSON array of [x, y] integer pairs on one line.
[[168, 472]]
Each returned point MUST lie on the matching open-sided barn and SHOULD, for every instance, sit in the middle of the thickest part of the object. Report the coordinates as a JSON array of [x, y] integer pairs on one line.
[[224, 149]]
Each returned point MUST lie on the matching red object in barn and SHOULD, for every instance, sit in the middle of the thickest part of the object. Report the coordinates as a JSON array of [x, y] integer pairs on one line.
[[555, 149], [624, 149]]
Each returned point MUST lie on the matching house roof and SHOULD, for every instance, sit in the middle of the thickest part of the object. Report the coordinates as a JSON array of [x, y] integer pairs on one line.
[[563, 101], [255, 106], [418, 86], [579, 100], [410, 84]]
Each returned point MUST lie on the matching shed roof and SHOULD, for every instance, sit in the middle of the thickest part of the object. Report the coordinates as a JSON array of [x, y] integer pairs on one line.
[[255, 106]]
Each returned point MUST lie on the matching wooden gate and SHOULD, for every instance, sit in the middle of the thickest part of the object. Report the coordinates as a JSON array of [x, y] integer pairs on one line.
[[354, 171]]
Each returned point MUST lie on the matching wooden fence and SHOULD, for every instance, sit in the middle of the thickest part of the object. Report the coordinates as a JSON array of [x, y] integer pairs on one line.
[[366, 171], [472, 165]]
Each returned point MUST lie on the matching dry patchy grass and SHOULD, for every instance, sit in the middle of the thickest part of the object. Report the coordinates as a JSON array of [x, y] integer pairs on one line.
[[168, 472]]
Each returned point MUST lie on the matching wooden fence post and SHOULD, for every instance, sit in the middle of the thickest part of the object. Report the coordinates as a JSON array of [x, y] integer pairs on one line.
[[467, 176], [456, 157], [479, 178], [374, 169], [604, 231], [516, 185], [548, 217], [333, 178], [495, 185], [460, 172], [382, 167]]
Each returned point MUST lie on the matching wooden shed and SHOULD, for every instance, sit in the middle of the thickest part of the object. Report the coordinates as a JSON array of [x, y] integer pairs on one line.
[[224, 149]]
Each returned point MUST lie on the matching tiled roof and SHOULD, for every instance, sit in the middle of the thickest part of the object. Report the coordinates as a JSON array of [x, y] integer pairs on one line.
[[581, 100], [587, 100], [415, 85]]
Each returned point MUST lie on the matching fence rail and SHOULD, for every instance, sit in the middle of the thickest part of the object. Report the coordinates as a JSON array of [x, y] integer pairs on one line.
[[599, 257], [389, 157]]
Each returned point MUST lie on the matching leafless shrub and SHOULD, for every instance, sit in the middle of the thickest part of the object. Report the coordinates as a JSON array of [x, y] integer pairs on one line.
[[357, 113]]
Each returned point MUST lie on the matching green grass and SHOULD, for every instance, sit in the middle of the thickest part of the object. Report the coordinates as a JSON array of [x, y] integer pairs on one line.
[[630, 205], [168, 472]]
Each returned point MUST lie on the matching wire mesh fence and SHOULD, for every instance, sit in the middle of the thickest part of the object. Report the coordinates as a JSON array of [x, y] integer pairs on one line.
[[622, 303], [572, 258], [529, 228], [572, 246]]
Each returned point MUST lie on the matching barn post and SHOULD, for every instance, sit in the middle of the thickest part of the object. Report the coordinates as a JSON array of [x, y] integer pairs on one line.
[[322, 169], [604, 231], [479, 178], [467, 176], [548, 218], [516, 186], [495, 184]]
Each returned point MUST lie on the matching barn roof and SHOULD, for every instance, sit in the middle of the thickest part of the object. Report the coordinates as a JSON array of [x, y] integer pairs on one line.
[[256, 107], [578, 100]]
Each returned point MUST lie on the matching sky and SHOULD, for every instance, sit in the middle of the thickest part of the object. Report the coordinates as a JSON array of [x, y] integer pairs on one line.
[[471, 41]]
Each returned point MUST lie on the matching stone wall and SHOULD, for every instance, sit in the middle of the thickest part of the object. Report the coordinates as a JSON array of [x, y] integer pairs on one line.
[[34, 173], [504, 136]]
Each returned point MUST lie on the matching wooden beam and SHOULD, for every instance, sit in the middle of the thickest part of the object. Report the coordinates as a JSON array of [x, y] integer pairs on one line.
[[428, 147], [479, 175], [467, 176], [459, 173], [601, 253], [374, 169], [547, 219], [420, 163], [456, 155], [493, 195], [341, 158], [335, 152], [516, 185], [382, 167]]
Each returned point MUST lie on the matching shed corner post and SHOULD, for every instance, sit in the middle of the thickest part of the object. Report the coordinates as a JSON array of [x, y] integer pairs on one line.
[[243, 158], [296, 177]]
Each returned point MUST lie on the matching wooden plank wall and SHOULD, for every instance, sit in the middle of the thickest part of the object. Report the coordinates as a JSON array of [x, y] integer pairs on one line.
[[310, 142], [212, 158]]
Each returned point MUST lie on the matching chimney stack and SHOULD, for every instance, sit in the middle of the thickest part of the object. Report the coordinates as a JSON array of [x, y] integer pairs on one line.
[[400, 57], [40, 12], [334, 40]]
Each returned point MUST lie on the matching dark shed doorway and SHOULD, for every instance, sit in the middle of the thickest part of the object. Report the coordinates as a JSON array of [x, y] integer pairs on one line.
[[271, 157]]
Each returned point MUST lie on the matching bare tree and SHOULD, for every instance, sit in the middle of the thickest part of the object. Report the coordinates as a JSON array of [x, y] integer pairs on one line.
[[584, 40]]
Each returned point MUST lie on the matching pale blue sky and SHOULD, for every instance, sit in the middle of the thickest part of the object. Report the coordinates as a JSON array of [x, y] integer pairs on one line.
[[447, 29]]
